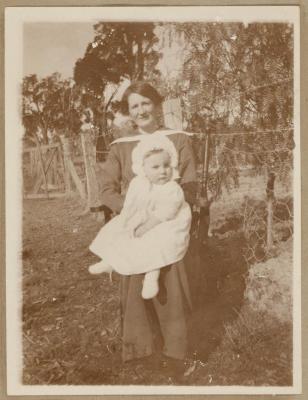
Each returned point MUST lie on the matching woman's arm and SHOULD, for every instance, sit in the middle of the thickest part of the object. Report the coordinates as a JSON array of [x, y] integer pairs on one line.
[[111, 182]]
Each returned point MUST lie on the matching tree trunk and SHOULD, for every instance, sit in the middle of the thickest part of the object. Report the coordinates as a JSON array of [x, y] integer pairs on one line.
[[204, 218], [140, 61], [270, 200], [45, 135], [206, 163]]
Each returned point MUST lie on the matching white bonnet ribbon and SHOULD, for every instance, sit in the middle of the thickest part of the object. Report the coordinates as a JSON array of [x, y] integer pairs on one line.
[[149, 143]]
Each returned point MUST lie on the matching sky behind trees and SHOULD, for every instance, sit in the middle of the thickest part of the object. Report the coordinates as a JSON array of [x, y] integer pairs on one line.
[[50, 47], [54, 47]]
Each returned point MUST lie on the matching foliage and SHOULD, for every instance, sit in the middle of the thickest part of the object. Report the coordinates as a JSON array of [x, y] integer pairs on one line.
[[235, 77], [119, 50], [226, 62], [238, 78], [50, 105]]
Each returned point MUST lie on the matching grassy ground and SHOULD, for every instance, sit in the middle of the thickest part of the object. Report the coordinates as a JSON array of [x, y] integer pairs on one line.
[[71, 320]]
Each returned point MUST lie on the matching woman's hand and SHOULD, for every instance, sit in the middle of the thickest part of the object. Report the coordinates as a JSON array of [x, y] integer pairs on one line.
[[202, 202]]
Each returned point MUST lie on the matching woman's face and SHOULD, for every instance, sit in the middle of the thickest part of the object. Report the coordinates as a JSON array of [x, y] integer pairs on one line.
[[143, 112]]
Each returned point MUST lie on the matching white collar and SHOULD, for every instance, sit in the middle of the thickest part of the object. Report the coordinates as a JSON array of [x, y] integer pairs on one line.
[[138, 137]]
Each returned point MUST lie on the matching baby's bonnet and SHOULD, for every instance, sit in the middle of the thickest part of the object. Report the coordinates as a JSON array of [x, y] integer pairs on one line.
[[148, 143]]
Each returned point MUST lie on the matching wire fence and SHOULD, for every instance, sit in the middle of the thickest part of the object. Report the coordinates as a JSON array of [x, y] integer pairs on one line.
[[250, 179], [250, 171], [249, 182]]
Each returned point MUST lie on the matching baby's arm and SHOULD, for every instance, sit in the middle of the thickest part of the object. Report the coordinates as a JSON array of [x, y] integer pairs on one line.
[[165, 209], [149, 224]]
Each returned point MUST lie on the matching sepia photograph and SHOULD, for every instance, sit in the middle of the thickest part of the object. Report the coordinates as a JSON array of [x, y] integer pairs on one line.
[[113, 288]]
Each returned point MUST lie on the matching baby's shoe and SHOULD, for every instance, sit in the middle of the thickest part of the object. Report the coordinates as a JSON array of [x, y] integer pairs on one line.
[[150, 288], [100, 268]]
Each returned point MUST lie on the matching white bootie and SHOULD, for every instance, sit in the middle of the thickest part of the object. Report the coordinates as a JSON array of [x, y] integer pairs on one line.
[[100, 268], [150, 287]]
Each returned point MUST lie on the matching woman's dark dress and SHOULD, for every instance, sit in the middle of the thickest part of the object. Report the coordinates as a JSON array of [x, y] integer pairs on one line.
[[138, 336]]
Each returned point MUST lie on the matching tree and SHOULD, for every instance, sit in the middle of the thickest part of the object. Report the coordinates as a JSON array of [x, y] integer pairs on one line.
[[238, 77], [39, 104], [50, 104], [225, 62], [119, 50]]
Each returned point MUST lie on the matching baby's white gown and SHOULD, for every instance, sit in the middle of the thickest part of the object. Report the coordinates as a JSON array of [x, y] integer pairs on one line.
[[163, 245]]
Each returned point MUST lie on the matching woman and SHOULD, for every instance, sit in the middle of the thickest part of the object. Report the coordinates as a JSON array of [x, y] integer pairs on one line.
[[143, 104]]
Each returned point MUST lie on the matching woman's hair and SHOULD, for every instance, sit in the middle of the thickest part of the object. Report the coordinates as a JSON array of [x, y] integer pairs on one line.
[[142, 88]]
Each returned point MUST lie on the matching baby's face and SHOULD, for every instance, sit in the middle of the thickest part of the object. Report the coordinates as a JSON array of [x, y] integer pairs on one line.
[[157, 168]]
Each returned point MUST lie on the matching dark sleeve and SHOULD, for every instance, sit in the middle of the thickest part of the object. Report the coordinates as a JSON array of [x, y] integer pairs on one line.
[[111, 181], [187, 169]]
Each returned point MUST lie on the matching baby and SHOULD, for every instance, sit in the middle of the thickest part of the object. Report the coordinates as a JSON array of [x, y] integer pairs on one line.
[[152, 230]]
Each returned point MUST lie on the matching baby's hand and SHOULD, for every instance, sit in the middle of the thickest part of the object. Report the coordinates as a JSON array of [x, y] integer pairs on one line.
[[146, 226], [131, 233], [140, 231]]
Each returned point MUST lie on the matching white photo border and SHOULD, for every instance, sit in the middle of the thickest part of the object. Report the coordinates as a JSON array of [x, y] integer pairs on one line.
[[15, 17]]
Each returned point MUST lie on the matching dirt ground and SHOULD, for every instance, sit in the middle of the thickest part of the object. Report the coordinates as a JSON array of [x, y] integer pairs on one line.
[[71, 319]]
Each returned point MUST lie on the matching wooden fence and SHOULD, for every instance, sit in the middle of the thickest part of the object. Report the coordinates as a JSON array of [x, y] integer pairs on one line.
[[49, 171], [53, 170]]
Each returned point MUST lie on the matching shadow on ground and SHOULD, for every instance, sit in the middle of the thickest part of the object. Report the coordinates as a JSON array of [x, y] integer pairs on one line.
[[216, 272]]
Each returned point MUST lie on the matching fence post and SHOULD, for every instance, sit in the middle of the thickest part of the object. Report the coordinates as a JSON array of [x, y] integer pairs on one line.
[[66, 155], [89, 155], [270, 199], [42, 166], [70, 171]]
